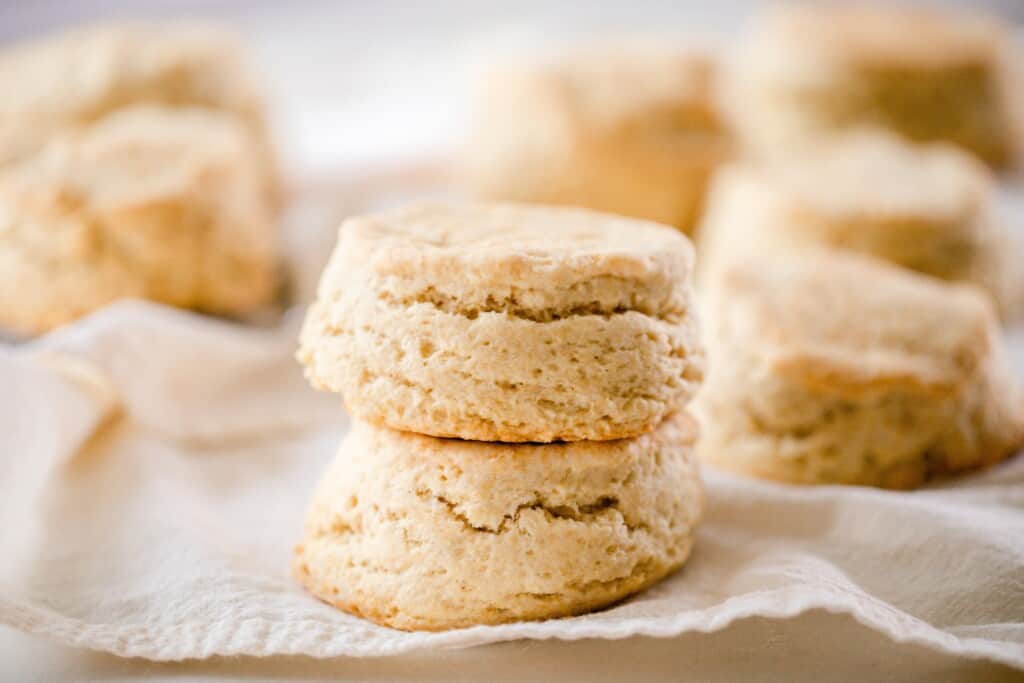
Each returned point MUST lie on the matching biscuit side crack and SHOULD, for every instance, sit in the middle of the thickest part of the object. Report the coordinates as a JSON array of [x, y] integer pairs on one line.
[[578, 513]]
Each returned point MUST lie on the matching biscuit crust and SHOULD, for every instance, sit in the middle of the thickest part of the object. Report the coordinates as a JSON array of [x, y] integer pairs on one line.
[[927, 208], [810, 70], [506, 323], [154, 203], [419, 533], [75, 78], [630, 128]]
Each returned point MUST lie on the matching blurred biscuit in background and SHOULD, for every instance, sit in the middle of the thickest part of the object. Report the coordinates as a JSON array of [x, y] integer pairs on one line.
[[804, 70], [77, 77], [149, 202], [831, 367], [629, 128], [929, 208]]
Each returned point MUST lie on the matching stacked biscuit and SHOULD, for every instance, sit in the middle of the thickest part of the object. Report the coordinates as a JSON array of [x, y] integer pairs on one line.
[[517, 377], [134, 162], [852, 263], [929, 208], [834, 367]]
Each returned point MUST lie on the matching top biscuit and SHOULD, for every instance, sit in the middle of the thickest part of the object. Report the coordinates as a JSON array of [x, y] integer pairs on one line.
[[806, 71], [530, 262], [889, 36], [878, 175], [506, 322], [925, 207]]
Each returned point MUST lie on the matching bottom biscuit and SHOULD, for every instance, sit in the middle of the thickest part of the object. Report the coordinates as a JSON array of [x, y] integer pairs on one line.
[[421, 533]]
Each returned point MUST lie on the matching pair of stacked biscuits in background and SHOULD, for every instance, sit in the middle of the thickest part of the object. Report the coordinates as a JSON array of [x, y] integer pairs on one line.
[[853, 265], [927, 208], [518, 378], [135, 161]]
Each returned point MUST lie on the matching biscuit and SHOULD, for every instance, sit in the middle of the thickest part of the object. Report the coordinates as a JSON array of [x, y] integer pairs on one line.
[[77, 77], [161, 204], [630, 128], [506, 322], [927, 208], [831, 367], [807, 70], [415, 532]]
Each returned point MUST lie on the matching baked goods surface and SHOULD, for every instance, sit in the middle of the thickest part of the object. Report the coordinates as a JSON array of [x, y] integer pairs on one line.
[[830, 367], [813, 69], [630, 127], [148, 202], [77, 77], [928, 208], [415, 532], [506, 322]]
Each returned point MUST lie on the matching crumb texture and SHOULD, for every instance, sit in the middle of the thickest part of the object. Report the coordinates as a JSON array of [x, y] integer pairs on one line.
[[403, 527]]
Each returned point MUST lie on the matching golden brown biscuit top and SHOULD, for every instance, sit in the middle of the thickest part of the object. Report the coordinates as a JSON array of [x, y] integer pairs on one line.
[[80, 75], [884, 35], [650, 83], [849, 323], [540, 261], [486, 460]]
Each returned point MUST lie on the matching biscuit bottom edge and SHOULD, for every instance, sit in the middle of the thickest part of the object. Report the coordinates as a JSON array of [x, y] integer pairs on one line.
[[616, 591]]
